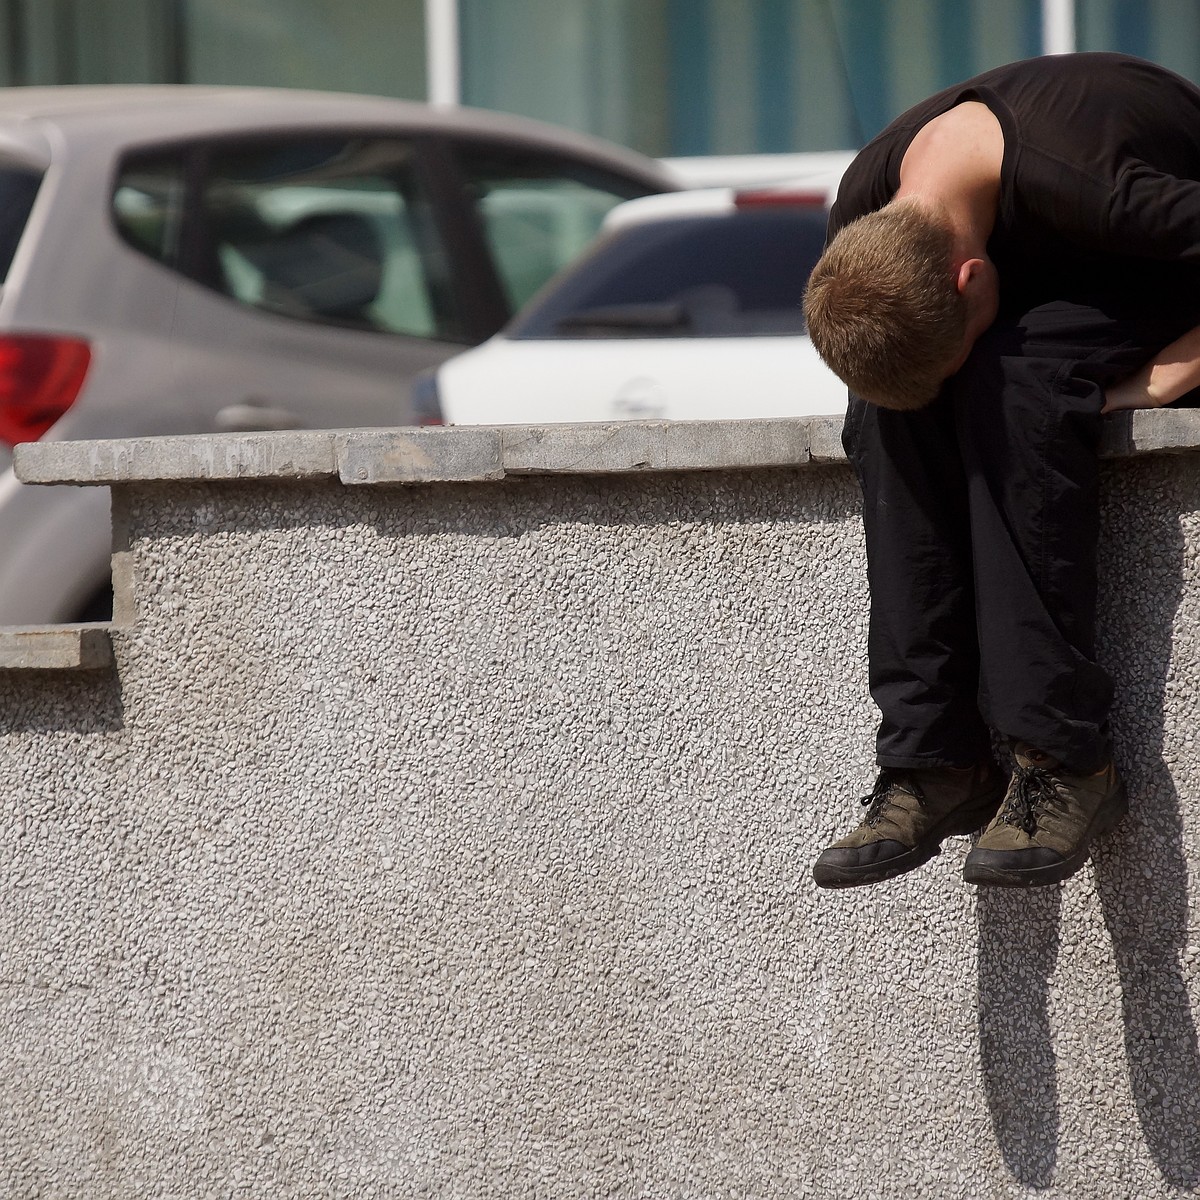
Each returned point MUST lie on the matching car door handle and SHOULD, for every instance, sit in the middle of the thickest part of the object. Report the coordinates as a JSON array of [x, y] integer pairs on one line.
[[252, 415]]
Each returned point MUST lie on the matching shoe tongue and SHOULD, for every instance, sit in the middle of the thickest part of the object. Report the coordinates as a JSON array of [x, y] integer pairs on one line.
[[1030, 756]]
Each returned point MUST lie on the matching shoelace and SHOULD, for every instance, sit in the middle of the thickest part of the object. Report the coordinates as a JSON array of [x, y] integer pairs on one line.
[[1031, 789], [880, 795]]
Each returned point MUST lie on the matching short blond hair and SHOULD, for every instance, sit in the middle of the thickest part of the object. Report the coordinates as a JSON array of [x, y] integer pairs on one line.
[[882, 306]]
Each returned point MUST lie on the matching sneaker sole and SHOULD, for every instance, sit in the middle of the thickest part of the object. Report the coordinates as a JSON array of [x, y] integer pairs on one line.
[[826, 875], [1107, 815]]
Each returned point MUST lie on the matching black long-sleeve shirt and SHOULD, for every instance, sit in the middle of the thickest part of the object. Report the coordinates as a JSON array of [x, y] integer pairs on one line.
[[1100, 182]]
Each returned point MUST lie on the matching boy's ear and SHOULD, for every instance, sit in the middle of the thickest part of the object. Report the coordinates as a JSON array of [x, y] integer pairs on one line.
[[969, 270]]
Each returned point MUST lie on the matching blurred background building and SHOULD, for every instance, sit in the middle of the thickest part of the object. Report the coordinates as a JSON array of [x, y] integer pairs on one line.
[[667, 77]]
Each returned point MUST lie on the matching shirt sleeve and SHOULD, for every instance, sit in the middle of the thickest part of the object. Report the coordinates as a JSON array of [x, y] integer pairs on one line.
[[1154, 215]]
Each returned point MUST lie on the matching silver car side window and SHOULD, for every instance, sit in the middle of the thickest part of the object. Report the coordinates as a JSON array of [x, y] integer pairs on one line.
[[336, 230], [148, 203], [331, 230], [537, 213]]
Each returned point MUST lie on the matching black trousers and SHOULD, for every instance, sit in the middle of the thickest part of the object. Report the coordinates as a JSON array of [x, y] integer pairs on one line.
[[981, 515]]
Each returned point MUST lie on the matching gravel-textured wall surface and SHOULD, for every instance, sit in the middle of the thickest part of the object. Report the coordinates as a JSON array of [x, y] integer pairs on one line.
[[455, 842]]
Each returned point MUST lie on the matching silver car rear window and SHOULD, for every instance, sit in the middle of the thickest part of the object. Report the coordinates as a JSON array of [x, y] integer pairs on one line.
[[18, 190]]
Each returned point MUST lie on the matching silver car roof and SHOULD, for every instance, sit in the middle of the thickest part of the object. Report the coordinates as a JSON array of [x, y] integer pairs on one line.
[[118, 116]]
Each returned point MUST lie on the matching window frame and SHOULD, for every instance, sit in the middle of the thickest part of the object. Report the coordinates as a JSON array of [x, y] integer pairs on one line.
[[196, 257], [495, 305], [476, 288]]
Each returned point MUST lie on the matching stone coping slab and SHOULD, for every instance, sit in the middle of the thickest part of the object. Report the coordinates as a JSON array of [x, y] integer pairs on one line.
[[55, 647], [445, 454]]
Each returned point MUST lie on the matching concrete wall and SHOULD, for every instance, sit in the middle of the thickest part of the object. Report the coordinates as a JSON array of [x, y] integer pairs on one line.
[[454, 840]]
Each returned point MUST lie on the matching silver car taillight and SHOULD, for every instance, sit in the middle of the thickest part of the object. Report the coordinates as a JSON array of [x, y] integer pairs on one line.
[[40, 378]]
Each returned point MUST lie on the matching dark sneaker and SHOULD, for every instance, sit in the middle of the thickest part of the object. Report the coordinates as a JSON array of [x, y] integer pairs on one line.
[[1049, 817], [908, 815]]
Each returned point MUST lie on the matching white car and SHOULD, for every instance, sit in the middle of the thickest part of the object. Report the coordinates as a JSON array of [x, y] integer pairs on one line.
[[688, 307]]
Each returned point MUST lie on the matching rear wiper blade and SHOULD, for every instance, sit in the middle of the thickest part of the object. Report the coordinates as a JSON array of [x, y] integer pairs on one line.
[[628, 316]]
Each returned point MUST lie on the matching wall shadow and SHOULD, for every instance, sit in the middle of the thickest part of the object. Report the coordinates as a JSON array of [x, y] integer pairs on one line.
[[1141, 878], [1018, 947], [61, 701], [1140, 872]]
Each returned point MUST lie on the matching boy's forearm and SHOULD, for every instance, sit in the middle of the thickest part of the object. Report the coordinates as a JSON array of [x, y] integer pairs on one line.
[[1171, 373]]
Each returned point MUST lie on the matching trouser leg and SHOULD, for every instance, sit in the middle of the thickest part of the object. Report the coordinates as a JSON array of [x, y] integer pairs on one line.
[[981, 517], [922, 652], [1029, 428], [1027, 414]]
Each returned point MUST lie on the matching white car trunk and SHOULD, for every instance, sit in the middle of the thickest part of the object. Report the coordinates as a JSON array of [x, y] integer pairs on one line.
[[536, 381]]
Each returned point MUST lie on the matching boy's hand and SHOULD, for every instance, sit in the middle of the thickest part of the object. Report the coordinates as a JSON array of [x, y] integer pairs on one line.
[[1130, 393], [1171, 373]]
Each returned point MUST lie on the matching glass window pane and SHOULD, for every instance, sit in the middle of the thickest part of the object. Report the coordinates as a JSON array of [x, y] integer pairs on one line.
[[370, 46], [87, 41], [373, 46], [335, 230], [148, 205], [829, 75], [120, 41], [537, 215], [1165, 31], [601, 65], [737, 275], [690, 77], [18, 190]]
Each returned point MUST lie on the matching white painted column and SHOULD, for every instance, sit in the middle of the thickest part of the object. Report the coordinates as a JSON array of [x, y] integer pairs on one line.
[[1058, 26], [442, 59]]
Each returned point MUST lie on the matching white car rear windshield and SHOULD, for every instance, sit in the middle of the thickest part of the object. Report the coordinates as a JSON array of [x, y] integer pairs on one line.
[[18, 189], [739, 274]]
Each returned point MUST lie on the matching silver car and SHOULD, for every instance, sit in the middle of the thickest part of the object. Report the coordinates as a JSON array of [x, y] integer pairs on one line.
[[188, 259]]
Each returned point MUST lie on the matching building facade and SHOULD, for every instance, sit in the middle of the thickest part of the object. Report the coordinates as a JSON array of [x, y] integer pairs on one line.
[[667, 77]]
